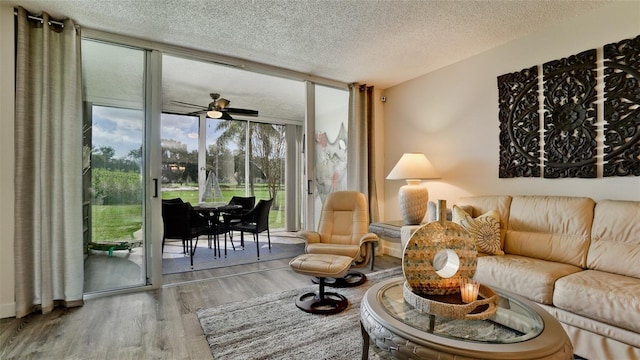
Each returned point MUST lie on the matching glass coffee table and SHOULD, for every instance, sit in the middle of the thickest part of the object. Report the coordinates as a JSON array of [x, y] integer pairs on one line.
[[518, 330]]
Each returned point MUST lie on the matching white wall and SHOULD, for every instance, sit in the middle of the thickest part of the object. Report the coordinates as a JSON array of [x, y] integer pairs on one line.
[[452, 114], [7, 298]]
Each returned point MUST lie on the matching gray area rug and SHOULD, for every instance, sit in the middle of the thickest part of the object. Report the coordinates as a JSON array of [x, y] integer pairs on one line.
[[272, 327], [174, 261]]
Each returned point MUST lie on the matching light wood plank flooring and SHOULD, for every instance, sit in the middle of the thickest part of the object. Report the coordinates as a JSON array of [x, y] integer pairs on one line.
[[157, 324]]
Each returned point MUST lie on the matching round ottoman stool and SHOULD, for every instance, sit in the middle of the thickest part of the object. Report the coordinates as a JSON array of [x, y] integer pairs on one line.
[[321, 266]]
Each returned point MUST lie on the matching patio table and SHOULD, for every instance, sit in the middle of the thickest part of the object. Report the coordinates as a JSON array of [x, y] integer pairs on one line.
[[212, 211]]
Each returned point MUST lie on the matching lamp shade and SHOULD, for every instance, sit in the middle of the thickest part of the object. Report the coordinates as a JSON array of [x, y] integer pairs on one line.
[[413, 197], [413, 166]]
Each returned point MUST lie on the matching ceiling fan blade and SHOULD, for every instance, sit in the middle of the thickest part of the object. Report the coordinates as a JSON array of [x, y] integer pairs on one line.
[[245, 112], [181, 103], [196, 112]]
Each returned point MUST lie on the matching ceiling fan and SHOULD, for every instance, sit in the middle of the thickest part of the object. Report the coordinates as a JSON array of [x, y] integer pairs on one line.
[[217, 109]]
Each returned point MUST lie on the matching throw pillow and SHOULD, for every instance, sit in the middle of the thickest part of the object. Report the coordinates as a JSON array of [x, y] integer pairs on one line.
[[485, 228]]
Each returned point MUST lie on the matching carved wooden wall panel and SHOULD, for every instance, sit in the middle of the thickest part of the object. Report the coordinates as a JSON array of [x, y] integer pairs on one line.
[[519, 124], [570, 116], [622, 108], [571, 121]]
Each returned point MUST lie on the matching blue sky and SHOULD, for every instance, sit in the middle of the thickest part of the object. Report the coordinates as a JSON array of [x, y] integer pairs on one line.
[[121, 129]]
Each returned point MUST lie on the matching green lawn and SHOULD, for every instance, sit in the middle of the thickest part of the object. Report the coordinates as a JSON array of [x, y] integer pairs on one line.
[[119, 222], [115, 222]]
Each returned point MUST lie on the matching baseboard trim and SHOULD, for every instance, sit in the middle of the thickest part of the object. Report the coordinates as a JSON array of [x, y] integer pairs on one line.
[[392, 249], [7, 310]]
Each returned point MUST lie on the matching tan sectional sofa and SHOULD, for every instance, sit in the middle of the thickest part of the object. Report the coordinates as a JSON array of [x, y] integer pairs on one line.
[[578, 259]]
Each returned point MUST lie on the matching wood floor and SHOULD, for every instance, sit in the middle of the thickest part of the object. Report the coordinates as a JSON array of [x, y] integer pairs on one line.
[[157, 324]]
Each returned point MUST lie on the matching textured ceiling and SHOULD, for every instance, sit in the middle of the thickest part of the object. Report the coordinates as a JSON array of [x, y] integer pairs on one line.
[[381, 43]]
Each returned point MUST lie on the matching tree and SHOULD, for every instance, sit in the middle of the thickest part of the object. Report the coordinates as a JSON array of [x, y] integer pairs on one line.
[[267, 148], [179, 165], [268, 153], [135, 154], [235, 131], [102, 156], [107, 151]]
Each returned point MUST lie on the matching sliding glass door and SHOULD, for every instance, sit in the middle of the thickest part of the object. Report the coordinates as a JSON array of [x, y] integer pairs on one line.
[[327, 153], [114, 192], [147, 135]]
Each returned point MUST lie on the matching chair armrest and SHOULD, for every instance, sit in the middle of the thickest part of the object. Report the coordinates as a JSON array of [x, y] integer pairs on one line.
[[243, 217], [198, 219], [310, 237], [368, 237]]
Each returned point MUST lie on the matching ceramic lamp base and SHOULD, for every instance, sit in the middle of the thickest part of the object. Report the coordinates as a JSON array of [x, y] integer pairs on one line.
[[413, 198]]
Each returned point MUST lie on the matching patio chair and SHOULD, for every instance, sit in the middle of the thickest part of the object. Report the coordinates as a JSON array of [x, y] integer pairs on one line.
[[233, 217], [255, 222], [247, 202], [182, 222]]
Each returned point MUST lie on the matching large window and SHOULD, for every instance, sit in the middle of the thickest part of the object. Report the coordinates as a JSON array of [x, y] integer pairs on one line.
[[241, 158], [268, 152], [226, 158], [179, 142]]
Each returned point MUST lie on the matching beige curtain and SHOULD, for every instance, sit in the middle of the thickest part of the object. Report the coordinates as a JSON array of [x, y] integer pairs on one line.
[[360, 155], [48, 134]]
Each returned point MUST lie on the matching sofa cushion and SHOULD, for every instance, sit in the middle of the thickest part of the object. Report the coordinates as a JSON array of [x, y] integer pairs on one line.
[[478, 205], [532, 278], [615, 238], [572, 322], [553, 228], [485, 228], [610, 298]]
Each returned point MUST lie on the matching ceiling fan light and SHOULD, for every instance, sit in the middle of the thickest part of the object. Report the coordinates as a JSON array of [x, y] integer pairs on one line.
[[214, 114], [222, 103]]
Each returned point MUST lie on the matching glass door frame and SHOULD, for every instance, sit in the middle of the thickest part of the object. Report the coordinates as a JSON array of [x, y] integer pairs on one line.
[[308, 185], [311, 189], [153, 152], [151, 206]]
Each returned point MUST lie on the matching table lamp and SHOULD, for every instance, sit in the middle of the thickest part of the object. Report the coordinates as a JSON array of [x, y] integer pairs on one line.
[[413, 197]]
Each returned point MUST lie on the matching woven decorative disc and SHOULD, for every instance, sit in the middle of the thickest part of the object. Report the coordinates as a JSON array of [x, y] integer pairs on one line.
[[429, 248]]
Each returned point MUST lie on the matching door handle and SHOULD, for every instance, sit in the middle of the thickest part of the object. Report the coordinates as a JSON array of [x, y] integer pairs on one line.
[[309, 187], [155, 188]]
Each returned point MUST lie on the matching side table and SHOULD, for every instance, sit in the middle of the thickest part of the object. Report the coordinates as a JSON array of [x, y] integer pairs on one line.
[[405, 233], [388, 230]]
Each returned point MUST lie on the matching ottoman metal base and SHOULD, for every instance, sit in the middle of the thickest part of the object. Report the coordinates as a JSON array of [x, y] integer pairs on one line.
[[352, 279], [322, 302]]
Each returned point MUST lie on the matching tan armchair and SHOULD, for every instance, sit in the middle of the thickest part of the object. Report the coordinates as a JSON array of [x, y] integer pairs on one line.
[[344, 230]]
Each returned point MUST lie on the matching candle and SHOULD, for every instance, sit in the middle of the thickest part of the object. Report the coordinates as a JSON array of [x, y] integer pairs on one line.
[[469, 290]]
